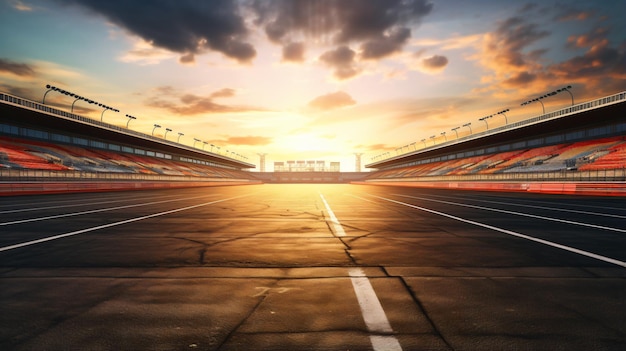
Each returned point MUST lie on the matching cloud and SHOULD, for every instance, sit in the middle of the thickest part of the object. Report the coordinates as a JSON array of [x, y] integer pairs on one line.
[[596, 37], [509, 40], [144, 53], [223, 93], [509, 62], [342, 60], [385, 45], [331, 101], [170, 99], [379, 28], [601, 60], [15, 90], [21, 6], [435, 63], [187, 27], [293, 52], [343, 20], [572, 14], [16, 68]]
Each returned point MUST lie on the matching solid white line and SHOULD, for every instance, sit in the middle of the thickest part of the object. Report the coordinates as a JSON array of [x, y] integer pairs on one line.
[[545, 242], [30, 209], [518, 214], [532, 206], [373, 313], [337, 228], [50, 238], [96, 211]]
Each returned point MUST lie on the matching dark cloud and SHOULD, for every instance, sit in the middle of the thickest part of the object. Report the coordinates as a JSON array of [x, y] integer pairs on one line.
[[19, 69], [520, 79], [170, 99], [435, 63], [332, 101], [511, 37], [600, 60], [187, 58], [386, 45], [380, 26], [293, 52], [188, 27], [600, 69], [342, 60], [596, 37]]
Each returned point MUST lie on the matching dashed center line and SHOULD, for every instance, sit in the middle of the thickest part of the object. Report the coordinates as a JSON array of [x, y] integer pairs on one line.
[[373, 313]]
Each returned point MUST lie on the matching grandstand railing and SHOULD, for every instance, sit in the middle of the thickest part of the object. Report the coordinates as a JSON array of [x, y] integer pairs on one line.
[[49, 175], [64, 114], [604, 175], [585, 106]]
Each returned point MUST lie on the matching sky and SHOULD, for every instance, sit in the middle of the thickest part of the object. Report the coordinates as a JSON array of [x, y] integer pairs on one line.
[[312, 79]]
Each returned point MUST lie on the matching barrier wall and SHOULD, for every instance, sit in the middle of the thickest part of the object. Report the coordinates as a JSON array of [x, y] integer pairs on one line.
[[33, 187], [567, 188]]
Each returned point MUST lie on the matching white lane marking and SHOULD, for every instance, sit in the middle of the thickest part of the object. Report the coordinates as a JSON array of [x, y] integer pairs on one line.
[[518, 213], [509, 232], [337, 227], [373, 313], [50, 238], [97, 210], [532, 206], [30, 209]]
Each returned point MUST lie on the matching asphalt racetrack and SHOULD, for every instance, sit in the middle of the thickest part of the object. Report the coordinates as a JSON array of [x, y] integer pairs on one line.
[[312, 267]]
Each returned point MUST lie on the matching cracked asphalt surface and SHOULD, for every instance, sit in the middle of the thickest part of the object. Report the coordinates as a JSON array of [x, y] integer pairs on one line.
[[266, 267]]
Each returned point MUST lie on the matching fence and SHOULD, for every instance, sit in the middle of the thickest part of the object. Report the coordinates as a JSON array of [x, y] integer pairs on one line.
[[604, 175], [48, 175]]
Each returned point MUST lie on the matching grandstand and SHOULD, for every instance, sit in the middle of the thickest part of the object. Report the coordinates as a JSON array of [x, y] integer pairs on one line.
[[584, 142], [38, 142]]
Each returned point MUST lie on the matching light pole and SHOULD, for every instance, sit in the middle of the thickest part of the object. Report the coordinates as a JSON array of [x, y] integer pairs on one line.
[[469, 125], [179, 135], [77, 98], [130, 118], [212, 146], [155, 127], [433, 137], [455, 131], [567, 88], [106, 108], [503, 112], [444, 136], [484, 119], [548, 95], [424, 141], [543, 107], [166, 130], [50, 88], [194, 141], [414, 147]]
